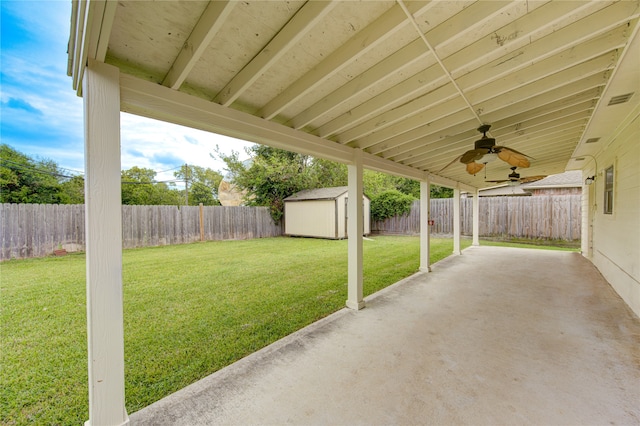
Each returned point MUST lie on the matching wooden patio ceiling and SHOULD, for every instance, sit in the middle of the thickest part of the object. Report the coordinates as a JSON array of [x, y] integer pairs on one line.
[[408, 82]]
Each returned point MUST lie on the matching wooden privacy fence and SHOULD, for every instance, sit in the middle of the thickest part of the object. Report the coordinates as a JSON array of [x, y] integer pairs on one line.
[[35, 230], [545, 217]]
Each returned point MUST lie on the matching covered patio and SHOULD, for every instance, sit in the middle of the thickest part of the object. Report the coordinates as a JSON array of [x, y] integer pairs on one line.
[[496, 336], [400, 87]]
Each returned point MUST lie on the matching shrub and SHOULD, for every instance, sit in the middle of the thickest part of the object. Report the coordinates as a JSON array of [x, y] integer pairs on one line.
[[390, 203]]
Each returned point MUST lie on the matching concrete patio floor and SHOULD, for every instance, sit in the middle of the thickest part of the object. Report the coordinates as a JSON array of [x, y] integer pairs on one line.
[[495, 336]]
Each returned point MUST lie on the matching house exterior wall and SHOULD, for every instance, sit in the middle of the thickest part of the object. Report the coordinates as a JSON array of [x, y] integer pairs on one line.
[[311, 218], [616, 237]]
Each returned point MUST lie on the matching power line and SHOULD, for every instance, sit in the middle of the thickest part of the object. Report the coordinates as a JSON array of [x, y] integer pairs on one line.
[[14, 165], [19, 166]]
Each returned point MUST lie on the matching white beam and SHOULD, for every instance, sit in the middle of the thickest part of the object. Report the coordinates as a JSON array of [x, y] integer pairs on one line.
[[161, 103], [442, 98], [456, 221], [207, 27], [91, 26], [296, 29], [379, 30], [103, 227], [476, 218], [449, 183], [395, 63], [355, 229], [425, 229]]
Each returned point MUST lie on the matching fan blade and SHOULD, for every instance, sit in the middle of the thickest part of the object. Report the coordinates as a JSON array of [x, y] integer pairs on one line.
[[473, 155], [473, 167], [454, 160], [498, 181], [515, 159], [513, 150], [532, 178]]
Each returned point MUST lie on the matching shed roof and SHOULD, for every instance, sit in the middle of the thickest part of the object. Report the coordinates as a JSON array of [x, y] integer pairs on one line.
[[570, 179], [319, 194], [506, 190]]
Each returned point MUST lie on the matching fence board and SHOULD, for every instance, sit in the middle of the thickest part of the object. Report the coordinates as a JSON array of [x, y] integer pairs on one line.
[[34, 230], [545, 217]]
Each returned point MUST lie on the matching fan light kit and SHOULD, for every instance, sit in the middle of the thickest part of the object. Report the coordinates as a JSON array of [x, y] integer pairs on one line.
[[486, 150], [514, 178]]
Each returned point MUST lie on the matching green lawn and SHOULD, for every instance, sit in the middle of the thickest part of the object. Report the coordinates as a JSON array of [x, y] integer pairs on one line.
[[189, 311]]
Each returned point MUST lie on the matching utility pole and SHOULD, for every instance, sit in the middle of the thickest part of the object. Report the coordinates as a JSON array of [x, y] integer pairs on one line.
[[186, 183]]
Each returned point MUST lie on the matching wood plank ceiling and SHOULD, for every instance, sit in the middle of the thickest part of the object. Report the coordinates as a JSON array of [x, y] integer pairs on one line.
[[408, 81]]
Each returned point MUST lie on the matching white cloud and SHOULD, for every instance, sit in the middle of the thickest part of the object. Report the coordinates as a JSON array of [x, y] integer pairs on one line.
[[160, 146], [42, 116]]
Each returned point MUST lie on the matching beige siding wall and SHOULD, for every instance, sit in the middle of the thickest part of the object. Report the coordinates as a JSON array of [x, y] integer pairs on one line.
[[310, 218], [342, 216], [367, 216], [616, 237], [317, 218]]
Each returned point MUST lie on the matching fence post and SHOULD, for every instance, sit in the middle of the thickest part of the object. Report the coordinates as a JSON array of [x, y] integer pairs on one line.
[[201, 222]]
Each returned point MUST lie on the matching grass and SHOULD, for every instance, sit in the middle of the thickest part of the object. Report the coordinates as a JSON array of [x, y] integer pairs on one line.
[[189, 311]]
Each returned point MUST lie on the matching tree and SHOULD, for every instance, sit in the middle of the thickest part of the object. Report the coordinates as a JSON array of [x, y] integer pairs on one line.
[[270, 176], [140, 188], [390, 203], [201, 183], [441, 192], [327, 173], [73, 190], [27, 180]]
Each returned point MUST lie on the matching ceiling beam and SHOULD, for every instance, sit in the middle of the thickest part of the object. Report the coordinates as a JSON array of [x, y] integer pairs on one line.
[[305, 19], [207, 27], [161, 103], [444, 98], [513, 37], [423, 82], [457, 27], [395, 63], [365, 40]]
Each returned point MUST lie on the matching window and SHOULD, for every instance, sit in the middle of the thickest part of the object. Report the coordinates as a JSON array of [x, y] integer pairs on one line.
[[608, 190]]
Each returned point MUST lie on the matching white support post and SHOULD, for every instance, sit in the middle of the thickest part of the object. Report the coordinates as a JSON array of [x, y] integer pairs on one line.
[[456, 221], [425, 229], [355, 229], [476, 218], [103, 226]]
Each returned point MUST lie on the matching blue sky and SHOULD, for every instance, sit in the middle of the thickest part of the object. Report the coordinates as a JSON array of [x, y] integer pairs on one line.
[[41, 116]]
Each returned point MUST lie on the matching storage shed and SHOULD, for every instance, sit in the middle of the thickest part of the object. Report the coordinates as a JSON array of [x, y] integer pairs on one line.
[[321, 213]]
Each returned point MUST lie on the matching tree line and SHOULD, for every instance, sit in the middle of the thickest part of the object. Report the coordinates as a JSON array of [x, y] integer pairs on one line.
[[27, 179], [268, 177]]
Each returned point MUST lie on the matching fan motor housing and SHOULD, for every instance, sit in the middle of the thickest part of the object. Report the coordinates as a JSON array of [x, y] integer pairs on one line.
[[485, 143]]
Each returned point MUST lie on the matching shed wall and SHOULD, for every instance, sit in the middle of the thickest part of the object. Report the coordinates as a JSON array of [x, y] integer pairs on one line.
[[341, 210], [310, 218], [616, 236], [366, 209]]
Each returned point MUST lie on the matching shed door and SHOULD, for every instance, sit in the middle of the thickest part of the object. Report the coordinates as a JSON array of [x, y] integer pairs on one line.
[[346, 217]]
